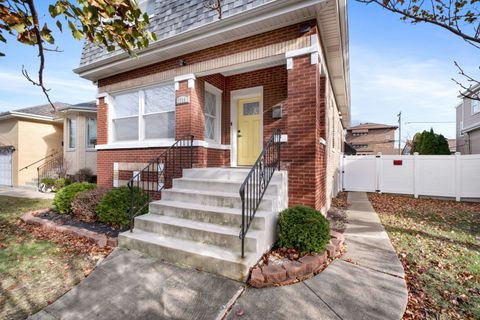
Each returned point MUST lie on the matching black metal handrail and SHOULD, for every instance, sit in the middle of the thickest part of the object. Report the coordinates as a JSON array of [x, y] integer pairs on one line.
[[47, 157], [148, 183], [50, 169], [257, 181]]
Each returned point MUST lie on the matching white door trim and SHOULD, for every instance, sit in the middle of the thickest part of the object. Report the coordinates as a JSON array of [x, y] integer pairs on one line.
[[234, 97]]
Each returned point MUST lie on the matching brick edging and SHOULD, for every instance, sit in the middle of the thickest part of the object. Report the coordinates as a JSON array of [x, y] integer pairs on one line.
[[100, 239], [296, 271]]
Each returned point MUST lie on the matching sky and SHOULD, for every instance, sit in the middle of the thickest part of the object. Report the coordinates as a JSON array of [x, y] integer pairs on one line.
[[394, 66]]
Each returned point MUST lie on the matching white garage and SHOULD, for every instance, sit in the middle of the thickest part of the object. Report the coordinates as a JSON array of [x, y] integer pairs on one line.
[[6, 166]]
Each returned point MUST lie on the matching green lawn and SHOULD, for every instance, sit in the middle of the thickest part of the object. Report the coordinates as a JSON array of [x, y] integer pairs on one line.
[[35, 269], [438, 243]]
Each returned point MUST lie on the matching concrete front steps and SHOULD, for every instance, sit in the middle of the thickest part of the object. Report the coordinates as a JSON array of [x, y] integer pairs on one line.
[[197, 222]]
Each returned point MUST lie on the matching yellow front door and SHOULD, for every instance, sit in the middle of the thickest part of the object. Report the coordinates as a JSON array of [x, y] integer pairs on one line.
[[249, 131]]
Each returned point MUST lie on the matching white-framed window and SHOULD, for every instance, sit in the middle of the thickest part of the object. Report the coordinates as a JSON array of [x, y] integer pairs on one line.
[[144, 114], [461, 128], [475, 106], [212, 112], [91, 124], [147, 6], [72, 133]]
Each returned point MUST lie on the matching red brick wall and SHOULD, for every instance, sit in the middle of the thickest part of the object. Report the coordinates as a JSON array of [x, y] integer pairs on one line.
[[303, 155], [264, 39], [274, 82], [102, 121]]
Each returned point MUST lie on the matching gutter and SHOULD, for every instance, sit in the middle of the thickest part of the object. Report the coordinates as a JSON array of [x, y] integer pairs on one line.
[[262, 12], [13, 114]]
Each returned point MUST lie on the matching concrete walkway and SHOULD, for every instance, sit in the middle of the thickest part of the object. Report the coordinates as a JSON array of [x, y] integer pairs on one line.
[[367, 283], [25, 193]]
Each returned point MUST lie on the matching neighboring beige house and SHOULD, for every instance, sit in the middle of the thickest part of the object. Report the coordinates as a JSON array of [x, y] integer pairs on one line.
[[28, 138], [80, 136], [468, 125], [372, 138]]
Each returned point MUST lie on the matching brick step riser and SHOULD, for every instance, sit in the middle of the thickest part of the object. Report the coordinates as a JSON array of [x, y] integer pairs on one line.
[[231, 242]]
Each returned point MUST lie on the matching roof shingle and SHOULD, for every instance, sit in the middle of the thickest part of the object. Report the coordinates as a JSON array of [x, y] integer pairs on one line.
[[173, 17]]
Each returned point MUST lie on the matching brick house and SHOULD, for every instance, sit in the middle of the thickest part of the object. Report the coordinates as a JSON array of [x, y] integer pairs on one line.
[[230, 83], [372, 138]]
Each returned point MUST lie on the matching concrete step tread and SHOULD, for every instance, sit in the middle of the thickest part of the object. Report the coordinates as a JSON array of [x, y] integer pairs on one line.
[[207, 208], [191, 247], [229, 181], [197, 225], [211, 193]]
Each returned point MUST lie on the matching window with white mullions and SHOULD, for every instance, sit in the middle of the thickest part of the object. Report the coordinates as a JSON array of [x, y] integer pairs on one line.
[[145, 114], [212, 113]]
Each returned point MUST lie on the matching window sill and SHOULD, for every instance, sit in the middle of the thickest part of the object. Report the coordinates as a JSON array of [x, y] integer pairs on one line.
[[158, 144]]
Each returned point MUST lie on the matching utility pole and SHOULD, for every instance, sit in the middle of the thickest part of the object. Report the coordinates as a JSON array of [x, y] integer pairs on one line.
[[399, 115]]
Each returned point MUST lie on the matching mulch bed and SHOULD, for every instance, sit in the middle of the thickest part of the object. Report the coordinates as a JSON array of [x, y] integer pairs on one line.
[[283, 266], [67, 220], [99, 233]]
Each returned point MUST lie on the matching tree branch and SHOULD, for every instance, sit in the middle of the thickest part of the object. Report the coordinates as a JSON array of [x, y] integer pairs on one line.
[[41, 53], [470, 92]]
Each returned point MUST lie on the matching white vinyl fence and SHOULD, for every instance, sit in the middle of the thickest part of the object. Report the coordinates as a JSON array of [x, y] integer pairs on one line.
[[456, 176]]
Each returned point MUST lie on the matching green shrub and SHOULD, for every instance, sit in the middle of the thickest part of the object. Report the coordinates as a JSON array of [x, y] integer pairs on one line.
[[115, 205], [49, 182], [62, 183], [304, 229], [64, 197]]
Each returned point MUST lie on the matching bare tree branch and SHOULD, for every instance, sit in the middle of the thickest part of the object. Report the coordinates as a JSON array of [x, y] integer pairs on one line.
[[214, 5], [472, 91], [41, 53]]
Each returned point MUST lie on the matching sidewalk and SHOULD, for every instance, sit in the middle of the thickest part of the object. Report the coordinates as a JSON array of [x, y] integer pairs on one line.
[[366, 283], [25, 193]]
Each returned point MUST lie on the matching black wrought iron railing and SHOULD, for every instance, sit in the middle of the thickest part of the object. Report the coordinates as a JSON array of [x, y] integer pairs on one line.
[[257, 181], [53, 168], [147, 184], [52, 155]]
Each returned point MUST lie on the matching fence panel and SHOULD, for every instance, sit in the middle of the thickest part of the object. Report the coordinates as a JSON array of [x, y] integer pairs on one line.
[[454, 176], [361, 173]]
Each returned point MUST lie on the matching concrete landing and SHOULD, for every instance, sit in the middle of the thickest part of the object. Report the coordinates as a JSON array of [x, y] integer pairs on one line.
[[130, 285]]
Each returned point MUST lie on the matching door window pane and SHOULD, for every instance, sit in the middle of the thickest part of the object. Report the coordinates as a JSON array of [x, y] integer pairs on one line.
[[126, 129], [251, 108], [210, 128]]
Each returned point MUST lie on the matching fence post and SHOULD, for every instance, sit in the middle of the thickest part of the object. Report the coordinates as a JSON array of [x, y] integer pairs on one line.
[[458, 173], [342, 172], [378, 172], [416, 174]]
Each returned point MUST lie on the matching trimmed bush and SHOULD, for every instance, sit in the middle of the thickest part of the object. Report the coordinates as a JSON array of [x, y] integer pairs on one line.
[[62, 183], [84, 175], [114, 207], [64, 197], [48, 182], [84, 206], [304, 229]]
